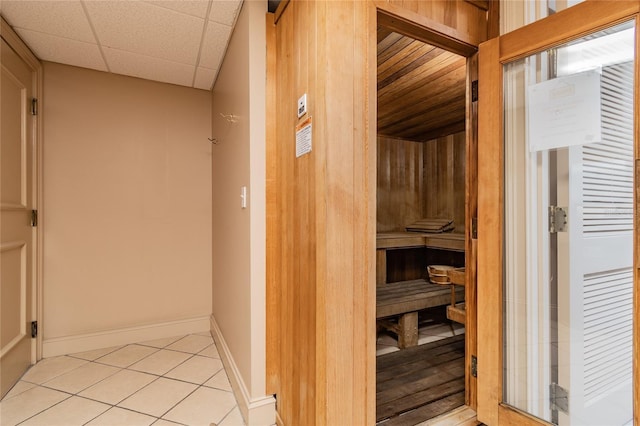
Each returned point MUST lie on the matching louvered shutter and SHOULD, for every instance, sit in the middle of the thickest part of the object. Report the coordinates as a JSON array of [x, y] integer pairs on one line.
[[595, 361]]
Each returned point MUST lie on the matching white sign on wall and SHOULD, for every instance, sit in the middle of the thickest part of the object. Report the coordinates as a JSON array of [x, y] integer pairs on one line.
[[303, 138], [564, 112]]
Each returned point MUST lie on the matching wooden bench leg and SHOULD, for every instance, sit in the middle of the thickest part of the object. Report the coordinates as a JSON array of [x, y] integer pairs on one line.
[[408, 330]]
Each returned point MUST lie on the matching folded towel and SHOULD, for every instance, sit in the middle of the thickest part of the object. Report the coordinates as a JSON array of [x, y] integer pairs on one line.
[[431, 225]]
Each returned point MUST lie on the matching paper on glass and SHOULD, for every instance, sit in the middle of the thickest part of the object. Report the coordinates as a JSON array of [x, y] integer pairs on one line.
[[564, 112]]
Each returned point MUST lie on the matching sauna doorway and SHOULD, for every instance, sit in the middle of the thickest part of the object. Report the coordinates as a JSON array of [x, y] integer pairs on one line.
[[425, 304]]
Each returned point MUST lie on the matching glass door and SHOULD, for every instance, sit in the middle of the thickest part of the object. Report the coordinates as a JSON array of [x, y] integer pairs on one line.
[[559, 340]]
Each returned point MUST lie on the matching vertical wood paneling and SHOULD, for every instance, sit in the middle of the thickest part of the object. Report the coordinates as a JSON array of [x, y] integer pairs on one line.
[[417, 180], [272, 220], [444, 179], [325, 214], [325, 202], [400, 183]]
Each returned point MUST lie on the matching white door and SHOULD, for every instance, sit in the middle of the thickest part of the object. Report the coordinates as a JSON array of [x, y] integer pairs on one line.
[[17, 237], [595, 263]]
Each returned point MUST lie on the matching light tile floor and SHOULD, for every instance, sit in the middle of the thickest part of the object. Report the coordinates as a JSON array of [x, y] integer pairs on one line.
[[427, 332], [178, 380]]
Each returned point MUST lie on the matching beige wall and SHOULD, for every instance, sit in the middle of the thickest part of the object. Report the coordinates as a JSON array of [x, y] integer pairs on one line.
[[239, 234], [127, 202]]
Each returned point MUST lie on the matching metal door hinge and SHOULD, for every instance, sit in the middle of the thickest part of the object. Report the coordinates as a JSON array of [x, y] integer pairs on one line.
[[34, 218], [559, 398], [474, 228], [34, 329], [34, 106], [557, 219], [474, 90], [474, 366]]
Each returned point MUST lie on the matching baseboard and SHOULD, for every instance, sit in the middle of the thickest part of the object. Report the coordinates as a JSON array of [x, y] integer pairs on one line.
[[255, 411], [123, 336]]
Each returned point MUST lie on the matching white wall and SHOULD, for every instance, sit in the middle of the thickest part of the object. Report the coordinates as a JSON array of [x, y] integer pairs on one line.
[[239, 245], [127, 209]]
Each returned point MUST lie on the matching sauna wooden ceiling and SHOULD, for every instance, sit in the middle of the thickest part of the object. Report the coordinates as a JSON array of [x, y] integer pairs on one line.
[[421, 89]]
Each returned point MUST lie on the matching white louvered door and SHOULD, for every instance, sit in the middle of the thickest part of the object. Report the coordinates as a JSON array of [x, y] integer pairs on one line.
[[595, 182]]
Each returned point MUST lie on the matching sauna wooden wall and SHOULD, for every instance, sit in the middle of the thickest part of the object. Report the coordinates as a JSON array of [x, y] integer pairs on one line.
[[323, 219], [321, 209], [444, 179], [420, 179]]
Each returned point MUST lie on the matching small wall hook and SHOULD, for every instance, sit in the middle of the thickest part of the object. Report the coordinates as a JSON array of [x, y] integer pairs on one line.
[[213, 141]]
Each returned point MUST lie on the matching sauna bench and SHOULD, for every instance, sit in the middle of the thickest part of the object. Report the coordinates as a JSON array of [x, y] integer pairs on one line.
[[406, 240], [405, 299]]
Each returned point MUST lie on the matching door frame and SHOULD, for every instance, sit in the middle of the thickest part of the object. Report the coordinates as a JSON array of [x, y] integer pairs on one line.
[[569, 24], [413, 25], [23, 51]]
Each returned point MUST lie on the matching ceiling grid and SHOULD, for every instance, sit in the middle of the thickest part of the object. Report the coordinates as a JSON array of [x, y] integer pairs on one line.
[[172, 41]]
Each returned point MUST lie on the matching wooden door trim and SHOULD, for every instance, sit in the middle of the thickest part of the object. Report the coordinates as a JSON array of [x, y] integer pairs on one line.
[[490, 232], [572, 23], [422, 28], [471, 246], [511, 416], [272, 222]]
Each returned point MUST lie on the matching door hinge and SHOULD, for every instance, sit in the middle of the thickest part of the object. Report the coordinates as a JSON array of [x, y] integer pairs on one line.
[[557, 219], [34, 106], [34, 329], [474, 228], [559, 398], [474, 366], [34, 218], [474, 90]]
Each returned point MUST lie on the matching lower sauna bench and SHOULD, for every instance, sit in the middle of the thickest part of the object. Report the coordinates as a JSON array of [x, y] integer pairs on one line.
[[404, 299], [420, 383]]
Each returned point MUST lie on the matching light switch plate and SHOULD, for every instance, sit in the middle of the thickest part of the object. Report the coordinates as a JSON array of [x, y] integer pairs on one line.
[[302, 105]]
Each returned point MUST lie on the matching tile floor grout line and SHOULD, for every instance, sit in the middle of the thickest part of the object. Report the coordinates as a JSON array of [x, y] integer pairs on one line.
[[40, 412], [179, 402], [198, 385], [227, 415], [116, 348]]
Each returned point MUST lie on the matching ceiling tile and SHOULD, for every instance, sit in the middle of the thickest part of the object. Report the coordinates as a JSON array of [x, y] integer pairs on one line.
[[146, 29], [204, 78], [196, 8], [214, 45], [63, 50], [127, 63], [224, 11], [59, 18]]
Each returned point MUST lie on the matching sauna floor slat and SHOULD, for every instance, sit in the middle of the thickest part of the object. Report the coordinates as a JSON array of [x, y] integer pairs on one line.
[[429, 381]]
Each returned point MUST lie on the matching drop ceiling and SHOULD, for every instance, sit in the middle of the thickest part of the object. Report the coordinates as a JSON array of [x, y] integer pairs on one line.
[[421, 89], [181, 42]]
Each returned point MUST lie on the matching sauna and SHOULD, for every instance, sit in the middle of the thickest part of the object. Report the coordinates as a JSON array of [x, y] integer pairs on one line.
[[420, 229]]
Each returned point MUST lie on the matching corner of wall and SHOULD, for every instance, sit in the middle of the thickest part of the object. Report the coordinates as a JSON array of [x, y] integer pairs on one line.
[[259, 411]]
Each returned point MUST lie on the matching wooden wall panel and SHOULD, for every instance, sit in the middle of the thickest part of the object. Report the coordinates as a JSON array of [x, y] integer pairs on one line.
[[325, 211], [444, 179], [417, 180], [400, 190], [325, 206]]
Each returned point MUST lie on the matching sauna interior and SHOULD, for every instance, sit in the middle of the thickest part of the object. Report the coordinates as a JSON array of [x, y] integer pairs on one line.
[[420, 315]]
